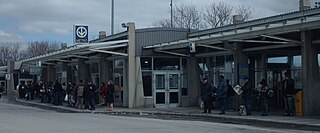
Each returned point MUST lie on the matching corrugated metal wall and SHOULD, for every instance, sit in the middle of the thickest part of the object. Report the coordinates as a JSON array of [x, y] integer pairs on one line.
[[151, 36]]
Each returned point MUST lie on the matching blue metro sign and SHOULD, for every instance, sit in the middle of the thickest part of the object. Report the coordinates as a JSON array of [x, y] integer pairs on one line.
[[81, 34]]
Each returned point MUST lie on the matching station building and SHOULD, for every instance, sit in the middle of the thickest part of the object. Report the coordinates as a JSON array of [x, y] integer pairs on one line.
[[163, 67]]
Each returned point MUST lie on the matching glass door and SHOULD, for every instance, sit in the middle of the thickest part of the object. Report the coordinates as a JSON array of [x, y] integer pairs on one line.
[[166, 89]]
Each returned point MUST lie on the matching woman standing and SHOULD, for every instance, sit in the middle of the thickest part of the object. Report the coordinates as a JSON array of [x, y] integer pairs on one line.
[[110, 95], [102, 93]]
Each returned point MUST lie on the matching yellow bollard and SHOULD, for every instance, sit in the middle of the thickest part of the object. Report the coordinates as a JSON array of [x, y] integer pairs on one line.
[[298, 103]]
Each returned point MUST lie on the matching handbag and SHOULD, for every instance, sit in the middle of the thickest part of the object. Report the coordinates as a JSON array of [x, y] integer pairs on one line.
[[66, 98]]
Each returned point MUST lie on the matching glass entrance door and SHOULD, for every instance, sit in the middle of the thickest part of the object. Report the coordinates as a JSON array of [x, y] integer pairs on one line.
[[166, 89]]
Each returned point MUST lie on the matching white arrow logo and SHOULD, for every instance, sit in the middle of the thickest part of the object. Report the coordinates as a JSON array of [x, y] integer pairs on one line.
[[81, 32]]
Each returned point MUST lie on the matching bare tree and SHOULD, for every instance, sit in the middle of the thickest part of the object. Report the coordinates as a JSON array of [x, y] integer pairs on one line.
[[183, 16], [162, 23], [186, 16], [245, 12], [220, 14], [37, 48], [9, 50]]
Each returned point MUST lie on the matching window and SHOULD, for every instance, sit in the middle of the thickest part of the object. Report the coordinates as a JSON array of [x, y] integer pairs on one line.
[[278, 60], [297, 61], [166, 64], [118, 63], [147, 83]]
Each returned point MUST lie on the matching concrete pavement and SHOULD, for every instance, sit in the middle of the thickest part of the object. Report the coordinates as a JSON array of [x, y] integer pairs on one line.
[[273, 118], [23, 119]]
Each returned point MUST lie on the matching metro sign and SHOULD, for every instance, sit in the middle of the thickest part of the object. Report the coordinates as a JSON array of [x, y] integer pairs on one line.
[[81, 34]]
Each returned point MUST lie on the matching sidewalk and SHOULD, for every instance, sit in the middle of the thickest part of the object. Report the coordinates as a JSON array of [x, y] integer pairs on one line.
[[274, 117]]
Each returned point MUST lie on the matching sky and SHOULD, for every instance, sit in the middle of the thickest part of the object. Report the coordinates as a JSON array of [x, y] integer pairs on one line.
[[53, 20]]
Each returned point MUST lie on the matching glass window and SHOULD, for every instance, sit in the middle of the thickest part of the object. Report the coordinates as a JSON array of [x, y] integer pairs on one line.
[[297, 61], [184, 85], [278, 60], [167, 63], [146, 63], [297, 78], [147, 83], [118, 63]]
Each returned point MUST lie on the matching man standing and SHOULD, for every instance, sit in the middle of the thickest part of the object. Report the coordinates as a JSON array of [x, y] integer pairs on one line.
[[222, 94], [288, 94], [205, 96], [246, 95], [90, 99]]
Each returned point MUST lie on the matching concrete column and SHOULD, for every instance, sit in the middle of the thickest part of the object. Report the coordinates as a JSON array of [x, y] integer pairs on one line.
[[103, 69], [135, 89], [310, 75], [64, 72], [51, 73], [239, 58], [10, 81], [83, 70], [193, 81]]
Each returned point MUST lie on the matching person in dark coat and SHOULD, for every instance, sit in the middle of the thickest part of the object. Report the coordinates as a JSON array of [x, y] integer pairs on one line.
[[90, 96], [230, 96], [246, 95], [222, 94], [110, 95], [206, 92], [263, 89], [22, 90], [28, 91], [57, 92], [288, 94]]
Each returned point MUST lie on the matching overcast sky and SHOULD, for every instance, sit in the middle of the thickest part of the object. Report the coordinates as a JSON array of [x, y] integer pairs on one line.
[[52, 20]]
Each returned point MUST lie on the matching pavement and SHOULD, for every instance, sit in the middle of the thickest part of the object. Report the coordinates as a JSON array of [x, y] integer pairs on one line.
[[273, 118]]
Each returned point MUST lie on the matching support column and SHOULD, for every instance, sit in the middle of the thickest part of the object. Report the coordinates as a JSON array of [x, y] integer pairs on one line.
[[64, 72], [10, 80], [193, 82], [310, 75], [50, 73], [103, 69], [240, 58], [134, 88], [83, 70]]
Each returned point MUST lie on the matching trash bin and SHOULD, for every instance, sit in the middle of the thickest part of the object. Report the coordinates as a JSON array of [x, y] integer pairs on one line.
[[298, 103]]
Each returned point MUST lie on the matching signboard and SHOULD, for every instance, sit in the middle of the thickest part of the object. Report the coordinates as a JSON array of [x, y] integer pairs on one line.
[[81, 34], [35, 70]]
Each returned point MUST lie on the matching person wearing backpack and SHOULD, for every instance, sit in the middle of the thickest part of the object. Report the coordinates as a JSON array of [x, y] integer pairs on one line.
[[263, 90], [79, 92]]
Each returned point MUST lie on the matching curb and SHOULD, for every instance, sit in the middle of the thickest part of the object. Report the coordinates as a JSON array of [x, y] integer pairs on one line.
[[224, 118]]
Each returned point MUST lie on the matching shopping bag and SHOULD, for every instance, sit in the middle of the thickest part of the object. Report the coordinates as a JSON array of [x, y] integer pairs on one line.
[[66, 98]]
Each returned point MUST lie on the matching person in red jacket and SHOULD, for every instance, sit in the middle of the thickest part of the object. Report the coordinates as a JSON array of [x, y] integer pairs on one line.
[[102, 93]]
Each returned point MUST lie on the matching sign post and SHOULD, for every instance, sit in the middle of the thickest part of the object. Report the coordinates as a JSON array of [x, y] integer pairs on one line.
[[81, 34]]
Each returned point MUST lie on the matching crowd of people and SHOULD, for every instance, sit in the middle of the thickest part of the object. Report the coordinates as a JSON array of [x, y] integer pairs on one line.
[[81, 96], [224, 93]]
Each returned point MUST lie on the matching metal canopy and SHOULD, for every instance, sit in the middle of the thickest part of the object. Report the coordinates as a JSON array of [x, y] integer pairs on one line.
[[266, 27], [77, 51]]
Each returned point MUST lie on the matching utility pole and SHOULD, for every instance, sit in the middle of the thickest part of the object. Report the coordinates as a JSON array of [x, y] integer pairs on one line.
[[112, 17], [171, 13]]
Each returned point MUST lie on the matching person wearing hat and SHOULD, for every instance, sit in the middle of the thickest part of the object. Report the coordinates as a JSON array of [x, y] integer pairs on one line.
[[206, 89], [246, 95]]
